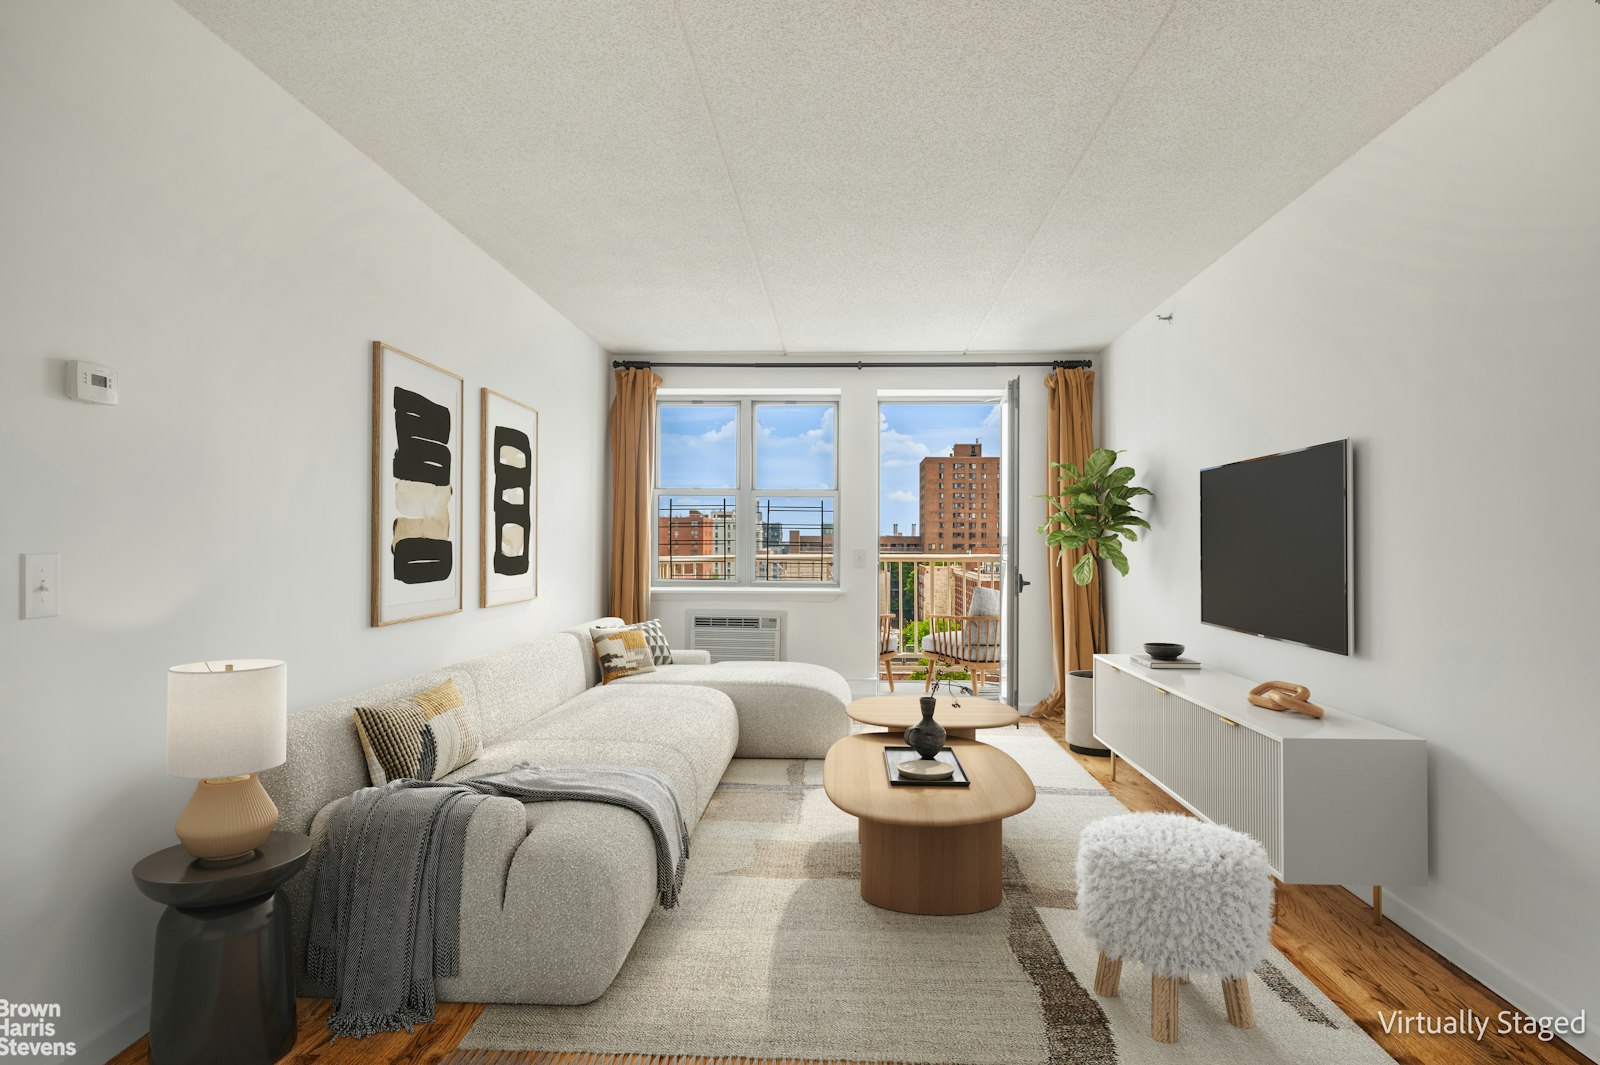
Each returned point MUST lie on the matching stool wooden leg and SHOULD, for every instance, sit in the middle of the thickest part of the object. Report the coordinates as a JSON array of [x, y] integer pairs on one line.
[[1236, 995], [1107, 976], [1164, 1008]]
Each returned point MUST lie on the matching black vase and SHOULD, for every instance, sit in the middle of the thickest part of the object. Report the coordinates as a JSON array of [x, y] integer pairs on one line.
[[926, 737]]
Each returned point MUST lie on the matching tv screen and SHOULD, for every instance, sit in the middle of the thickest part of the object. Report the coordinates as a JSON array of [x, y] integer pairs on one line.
[[1275, 554]]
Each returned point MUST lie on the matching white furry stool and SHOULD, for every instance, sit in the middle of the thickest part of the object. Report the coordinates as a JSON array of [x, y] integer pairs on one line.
[[1180, 896]]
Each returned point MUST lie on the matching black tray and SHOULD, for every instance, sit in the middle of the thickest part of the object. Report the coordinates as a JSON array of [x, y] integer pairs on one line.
[[893, 756]]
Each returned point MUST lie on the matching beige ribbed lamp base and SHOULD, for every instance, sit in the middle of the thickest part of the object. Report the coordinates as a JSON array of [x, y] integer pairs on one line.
[[227, 818]]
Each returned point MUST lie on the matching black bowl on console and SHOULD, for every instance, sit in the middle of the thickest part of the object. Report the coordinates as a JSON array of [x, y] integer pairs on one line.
[[1163, 652]]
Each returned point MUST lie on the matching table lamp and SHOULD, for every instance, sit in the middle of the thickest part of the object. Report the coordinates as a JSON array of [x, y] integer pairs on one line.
[[226, 721]]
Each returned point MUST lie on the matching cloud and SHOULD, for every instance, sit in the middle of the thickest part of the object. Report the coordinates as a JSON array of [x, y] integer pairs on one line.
[[718, 433], [903, 497], [896, 450], [817, 441]]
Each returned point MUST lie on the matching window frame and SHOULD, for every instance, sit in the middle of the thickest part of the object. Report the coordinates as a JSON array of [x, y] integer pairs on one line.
[[745, 494]]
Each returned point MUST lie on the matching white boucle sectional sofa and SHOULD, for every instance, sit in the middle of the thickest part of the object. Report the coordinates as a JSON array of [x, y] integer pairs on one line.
[[554, 894]]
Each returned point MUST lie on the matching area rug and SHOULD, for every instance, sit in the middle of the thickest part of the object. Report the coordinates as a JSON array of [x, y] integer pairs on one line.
[[772, 955]]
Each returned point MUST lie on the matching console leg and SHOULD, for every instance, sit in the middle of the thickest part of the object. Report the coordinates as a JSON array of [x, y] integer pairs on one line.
[[1113, 765], [1377, 904]]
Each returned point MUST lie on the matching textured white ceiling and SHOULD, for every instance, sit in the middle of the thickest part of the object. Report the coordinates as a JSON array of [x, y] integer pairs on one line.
[[859, 175]]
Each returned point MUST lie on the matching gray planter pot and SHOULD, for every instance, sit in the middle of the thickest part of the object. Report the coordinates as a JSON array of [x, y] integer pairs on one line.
[[1080, 714]]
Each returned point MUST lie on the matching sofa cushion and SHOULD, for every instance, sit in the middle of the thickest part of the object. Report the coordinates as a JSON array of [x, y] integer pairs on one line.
[[325, 761], [954, 645], [423, 736], [519, 683], [510, 688], [786, 709], [689, 734]]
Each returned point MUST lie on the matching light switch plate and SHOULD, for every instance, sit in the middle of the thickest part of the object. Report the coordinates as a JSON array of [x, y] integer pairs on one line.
[[41, 586]]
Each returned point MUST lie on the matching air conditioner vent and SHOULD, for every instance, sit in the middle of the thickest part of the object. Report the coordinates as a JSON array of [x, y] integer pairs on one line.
[[737, 637]]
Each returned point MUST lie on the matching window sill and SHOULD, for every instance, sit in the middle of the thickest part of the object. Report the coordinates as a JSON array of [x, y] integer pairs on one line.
[[745, 591]]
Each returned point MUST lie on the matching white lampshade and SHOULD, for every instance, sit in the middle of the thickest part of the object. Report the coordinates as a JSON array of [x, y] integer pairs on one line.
[[227, 718]]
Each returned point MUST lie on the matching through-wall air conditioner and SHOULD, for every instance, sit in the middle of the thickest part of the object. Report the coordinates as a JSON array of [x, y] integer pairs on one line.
[[737, 637]]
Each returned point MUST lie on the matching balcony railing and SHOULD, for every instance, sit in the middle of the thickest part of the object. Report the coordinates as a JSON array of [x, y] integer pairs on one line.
[[913, 586]]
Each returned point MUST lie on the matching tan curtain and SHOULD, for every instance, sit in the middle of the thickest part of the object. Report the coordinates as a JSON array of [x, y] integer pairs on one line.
[[633, 444], [1077, 615]]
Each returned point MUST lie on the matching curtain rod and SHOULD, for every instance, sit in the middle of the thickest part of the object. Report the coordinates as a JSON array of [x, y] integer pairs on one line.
[[640, 364]]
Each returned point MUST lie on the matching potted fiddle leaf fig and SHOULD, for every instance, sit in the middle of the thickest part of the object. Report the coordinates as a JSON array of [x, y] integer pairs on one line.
[[1094, 511]]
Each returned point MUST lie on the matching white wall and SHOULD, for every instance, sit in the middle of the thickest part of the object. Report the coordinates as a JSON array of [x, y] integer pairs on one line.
[[168, 210], [1433, 299], [839, 630]]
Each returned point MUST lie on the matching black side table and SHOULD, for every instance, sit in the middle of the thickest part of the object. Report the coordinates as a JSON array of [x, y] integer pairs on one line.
[[224, 973]]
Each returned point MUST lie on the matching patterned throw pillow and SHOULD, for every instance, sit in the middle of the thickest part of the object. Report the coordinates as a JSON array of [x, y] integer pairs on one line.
[[422, 736], [622, 653], [656, 639]]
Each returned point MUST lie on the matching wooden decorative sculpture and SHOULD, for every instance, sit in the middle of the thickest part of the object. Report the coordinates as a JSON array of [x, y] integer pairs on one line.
[[1281, 695]]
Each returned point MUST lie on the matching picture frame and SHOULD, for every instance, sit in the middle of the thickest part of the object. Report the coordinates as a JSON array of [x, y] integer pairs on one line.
[[417, 444], [508, 500]]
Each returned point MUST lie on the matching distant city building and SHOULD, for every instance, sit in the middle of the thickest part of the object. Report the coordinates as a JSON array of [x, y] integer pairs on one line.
[[959, 498], [695, 545], [896, 541]]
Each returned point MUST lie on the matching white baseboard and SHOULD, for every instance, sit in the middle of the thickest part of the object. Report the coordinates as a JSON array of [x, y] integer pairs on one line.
[[1496, 977], [111, 1038]]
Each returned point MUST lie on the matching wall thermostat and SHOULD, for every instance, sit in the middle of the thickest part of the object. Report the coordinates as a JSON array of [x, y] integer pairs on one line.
[[91, 382]]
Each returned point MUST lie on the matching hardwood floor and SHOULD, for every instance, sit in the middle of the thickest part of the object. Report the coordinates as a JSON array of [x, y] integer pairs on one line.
[[1366, 969]]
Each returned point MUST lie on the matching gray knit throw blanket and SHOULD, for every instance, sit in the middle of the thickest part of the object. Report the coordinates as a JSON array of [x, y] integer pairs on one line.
[[391, 859]]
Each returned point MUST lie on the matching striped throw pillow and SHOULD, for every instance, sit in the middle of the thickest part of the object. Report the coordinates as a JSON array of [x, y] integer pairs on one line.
[[422, 736]]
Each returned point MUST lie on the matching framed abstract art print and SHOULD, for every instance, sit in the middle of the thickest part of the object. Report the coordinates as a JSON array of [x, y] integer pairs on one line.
[[416, 488], [509, 502]]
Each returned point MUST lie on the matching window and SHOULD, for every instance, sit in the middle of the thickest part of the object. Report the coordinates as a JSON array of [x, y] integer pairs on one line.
[[746, 491]]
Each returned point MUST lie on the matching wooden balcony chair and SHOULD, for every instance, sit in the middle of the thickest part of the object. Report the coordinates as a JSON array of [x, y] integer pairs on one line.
[[969, 641], [888, 647]]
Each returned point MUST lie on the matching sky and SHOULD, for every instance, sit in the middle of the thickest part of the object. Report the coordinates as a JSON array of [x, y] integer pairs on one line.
[[911, 432], [795, 446]]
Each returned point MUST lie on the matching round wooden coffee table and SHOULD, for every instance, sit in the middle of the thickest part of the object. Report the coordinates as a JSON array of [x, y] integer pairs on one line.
[[927, 848], [899, 712]]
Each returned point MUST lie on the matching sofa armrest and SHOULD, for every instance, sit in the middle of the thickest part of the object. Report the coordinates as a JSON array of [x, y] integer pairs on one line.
[[691, 658]]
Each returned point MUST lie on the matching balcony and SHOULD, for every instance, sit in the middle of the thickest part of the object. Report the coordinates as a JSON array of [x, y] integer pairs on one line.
[[913, 586]]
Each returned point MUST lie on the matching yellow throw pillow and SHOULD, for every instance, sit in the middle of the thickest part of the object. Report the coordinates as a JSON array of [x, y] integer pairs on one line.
[[622, 653], [424, 736]]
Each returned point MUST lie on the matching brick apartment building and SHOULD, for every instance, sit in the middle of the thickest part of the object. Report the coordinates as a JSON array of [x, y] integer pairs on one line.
[[959, 498], [689, 545]]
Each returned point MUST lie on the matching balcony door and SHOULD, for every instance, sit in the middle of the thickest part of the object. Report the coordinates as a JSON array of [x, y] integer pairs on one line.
[[944, 529]]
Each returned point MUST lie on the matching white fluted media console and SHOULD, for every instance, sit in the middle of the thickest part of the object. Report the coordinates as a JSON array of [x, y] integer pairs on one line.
[[1340, 800]]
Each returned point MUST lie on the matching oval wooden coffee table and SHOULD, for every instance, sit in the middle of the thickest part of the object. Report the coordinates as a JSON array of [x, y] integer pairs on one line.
[[899, 712], [926, 848]]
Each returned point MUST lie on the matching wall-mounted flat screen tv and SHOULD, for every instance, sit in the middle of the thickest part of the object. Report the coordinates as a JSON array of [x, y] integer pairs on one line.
[[1276, 557]]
